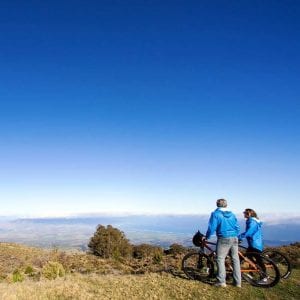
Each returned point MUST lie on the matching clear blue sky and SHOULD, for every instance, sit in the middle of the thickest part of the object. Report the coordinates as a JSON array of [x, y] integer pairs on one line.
[[149, 106]]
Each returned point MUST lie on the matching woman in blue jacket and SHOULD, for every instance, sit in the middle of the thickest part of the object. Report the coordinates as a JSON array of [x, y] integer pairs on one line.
[[253, 234]]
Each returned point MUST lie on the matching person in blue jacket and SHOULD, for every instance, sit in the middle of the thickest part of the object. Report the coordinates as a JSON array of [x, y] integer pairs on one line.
[[224, 223], [253, 232], [254, 237]]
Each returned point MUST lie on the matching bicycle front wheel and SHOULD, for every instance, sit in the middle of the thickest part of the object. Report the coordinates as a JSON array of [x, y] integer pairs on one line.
[[197, 266], [259, 270], [281, 261]]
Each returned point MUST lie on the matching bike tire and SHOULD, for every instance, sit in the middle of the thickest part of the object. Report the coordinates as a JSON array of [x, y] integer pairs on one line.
[[197, 266], [282, 262], [256, 277]]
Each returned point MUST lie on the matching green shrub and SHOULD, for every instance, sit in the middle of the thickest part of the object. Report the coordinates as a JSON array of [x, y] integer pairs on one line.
[[17, 276], [29, 271], [157, 257], [147, 251], [109, 242], [177, 249], [142, 251], [53, 269]]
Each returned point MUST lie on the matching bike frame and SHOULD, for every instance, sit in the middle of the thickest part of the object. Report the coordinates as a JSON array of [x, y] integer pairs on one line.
[[205, 245]]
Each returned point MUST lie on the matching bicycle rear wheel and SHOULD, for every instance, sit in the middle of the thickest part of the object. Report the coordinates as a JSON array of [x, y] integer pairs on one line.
[[281, 261], [197, 266], [265, 274]]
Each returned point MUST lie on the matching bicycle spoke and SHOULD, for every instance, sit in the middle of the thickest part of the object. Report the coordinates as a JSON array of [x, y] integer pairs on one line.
[[281, 262]]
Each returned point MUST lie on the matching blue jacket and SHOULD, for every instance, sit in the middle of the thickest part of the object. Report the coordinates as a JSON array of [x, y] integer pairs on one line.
[[224, 223], [253, 233]]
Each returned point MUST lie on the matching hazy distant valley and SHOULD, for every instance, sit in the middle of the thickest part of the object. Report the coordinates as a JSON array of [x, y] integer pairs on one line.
[[163, 230]]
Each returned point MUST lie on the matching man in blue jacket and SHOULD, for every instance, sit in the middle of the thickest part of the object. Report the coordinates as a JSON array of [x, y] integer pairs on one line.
[[224, 223]]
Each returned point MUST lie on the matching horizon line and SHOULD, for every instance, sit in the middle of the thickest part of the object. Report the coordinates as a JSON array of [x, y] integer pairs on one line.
[[267, 216]]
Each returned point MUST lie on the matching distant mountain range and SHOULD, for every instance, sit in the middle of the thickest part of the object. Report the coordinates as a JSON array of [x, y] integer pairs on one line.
[[163, 230]]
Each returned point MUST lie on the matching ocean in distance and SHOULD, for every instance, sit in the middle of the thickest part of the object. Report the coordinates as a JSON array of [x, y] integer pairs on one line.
[[161, 230]]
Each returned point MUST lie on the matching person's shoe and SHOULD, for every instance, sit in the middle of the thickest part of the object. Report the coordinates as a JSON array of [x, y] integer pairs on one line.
[[263, 281], [238, 286], [220, 284]]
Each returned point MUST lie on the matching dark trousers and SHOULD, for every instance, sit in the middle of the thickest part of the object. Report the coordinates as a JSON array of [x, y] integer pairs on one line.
[[256, 258]]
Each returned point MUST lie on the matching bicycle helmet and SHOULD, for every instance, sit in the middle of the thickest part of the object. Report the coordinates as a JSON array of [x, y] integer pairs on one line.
[[197, 238]]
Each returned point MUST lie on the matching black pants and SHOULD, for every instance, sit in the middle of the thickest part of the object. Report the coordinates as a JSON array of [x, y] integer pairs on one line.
[[256, 258]]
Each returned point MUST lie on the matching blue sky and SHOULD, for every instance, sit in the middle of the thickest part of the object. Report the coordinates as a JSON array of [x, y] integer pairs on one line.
[[149, 106]]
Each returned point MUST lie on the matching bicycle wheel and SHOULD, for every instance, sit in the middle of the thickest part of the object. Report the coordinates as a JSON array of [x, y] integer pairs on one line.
[[281, 261], [197, 266], [265, 273]]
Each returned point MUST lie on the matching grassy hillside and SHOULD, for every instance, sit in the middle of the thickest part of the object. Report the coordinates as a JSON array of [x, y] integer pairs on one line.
[[23, 276]]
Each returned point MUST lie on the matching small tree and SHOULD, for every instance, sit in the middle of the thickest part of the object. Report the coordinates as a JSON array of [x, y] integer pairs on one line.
[[109, 242]]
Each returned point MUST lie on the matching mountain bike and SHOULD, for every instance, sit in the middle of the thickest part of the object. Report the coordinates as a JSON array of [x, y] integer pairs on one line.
[[281, 261], [201, 265]]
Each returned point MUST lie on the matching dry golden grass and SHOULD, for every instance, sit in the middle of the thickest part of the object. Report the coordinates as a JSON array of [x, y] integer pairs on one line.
[[15, 256], [149, 286]]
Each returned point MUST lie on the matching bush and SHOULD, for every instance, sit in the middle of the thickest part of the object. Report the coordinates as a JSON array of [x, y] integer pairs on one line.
[[29, 271], [52, 270], [17, 276], [32, 273], [157, 256], [144, 251], [292, 252], [177, 249], [109, 242]]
